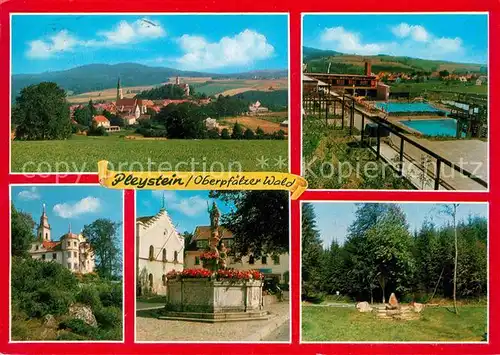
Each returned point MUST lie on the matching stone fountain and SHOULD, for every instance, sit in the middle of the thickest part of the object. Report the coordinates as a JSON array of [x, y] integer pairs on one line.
[[212, 299]]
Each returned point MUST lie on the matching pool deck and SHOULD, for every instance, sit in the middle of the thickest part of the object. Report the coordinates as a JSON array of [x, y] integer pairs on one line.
[[470, 154]]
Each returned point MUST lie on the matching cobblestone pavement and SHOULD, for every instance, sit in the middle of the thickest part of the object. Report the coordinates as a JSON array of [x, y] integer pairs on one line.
[[153, 329], [280, 334]]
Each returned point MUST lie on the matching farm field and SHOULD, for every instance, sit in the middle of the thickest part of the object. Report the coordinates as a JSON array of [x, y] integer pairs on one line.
[[234, 87], [417, 88], [107, 94], [268, 124], [326, 323], [81, 154]]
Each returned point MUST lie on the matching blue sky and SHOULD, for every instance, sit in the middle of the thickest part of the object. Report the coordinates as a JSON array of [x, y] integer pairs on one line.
[[187, 209], [210, 43], [78, 205], [333, 218], [452, 37]]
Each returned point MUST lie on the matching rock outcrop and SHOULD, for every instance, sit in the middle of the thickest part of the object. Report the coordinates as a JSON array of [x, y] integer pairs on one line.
[[364, 307], [84, 313]]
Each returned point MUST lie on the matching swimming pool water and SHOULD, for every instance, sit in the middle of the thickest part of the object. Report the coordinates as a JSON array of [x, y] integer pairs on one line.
[[406, 107], [443, 127]]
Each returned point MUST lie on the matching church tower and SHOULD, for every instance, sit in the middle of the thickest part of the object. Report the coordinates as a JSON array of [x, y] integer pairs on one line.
[[119, 91], [43, 231]]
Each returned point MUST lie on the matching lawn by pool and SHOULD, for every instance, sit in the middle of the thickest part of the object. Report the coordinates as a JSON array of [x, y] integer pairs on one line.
[[433, 128], [398, 107]]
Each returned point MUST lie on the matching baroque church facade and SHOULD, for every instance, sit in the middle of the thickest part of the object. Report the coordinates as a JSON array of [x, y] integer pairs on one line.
[[72, 250], [159, 249]]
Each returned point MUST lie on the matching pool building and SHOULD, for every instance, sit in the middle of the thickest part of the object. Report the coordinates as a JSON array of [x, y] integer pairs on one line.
[[366, 84]]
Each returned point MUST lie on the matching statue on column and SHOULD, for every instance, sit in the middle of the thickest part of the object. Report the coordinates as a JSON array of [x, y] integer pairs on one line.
[[219, 251]]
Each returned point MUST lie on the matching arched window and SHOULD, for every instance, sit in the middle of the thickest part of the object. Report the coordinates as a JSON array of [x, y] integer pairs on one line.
[[164, 255], [46, 235], [176, 254], [150, 279], [151, 252]]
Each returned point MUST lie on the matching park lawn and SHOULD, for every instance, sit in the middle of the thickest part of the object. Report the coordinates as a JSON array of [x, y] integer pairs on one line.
[[81, 154], [323, 323]]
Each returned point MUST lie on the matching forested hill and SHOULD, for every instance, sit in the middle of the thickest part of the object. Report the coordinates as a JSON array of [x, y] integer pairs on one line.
[[318, 61], [95, 77]]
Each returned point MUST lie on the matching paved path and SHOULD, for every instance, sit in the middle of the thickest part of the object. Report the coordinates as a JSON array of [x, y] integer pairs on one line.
[[153, 329], [145, 305], [280, 334]]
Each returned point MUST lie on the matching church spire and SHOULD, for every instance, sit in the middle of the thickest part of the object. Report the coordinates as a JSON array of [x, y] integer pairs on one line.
[[43, 230], [162, 202], [119, 91]]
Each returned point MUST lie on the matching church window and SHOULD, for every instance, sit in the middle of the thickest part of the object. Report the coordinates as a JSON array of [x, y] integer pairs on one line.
[[69, 254], [164, 257], [46, 235], [251, 260], [176, 255], [151, 252], [74, 254], [197, 260], [69, 244], [164, 280], [264, 260], [150, 279], [43, 256], [74, 243], [276, 259], [40, 235], [54, 256]]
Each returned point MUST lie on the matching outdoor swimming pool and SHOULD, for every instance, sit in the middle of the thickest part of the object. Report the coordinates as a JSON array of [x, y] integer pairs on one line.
[[434, 128], [407, 107]]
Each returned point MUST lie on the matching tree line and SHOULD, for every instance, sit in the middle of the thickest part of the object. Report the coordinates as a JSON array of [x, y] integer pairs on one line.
[[381, 255]]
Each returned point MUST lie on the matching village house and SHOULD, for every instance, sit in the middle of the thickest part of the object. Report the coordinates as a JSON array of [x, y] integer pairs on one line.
[[72, 250], [101, 121], [211, 123], [159, 249], [256, 108], [276, 266]]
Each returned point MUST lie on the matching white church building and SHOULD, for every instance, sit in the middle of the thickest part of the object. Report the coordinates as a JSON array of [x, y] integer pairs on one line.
[[72, 250], [159, 249]]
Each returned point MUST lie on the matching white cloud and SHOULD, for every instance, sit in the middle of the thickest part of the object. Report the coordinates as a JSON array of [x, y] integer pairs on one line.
[[416, 32], [412, 40], [191, 206], [246, 47], [61, 42], [71, 210], [123, 33], [447, 45], [342, 40], [29, 195]]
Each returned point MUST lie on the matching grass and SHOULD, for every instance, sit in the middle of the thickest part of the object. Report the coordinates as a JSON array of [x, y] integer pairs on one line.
[[81, 154], [416, 89], [334, 160], [436, 324]]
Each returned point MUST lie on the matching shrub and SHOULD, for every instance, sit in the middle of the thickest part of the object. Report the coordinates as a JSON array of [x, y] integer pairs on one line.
[[68, 336], [111, 294], [249, 134], [97, 131], [90, 296], [213, 134], [77, 326], [259, 133], [224, 134], [109, 317], [237, 131]]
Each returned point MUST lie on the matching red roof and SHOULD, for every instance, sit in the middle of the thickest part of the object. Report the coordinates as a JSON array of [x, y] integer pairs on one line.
[[50, 245], [100, 119]]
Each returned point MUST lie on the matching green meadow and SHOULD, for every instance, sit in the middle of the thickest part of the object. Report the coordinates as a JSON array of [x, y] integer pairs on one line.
[[81, 154], [323, 323]]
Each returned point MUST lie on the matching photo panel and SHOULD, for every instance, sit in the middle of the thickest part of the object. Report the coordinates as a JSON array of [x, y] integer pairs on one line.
[[379, 272], [152, 93], [212, 266], [66, 265], [395, 101]]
